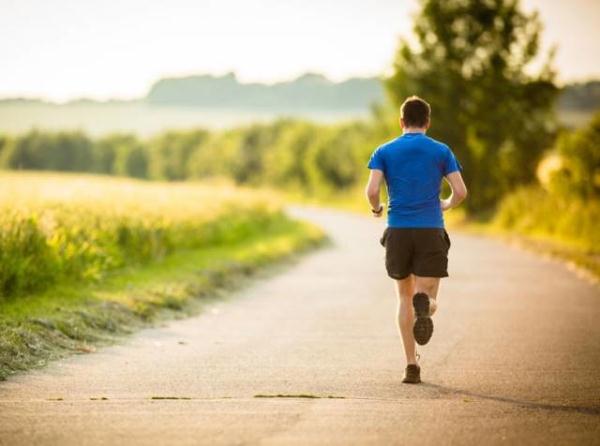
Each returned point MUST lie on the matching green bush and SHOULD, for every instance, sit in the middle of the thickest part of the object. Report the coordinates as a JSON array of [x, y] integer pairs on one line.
[[534, 211], [579, 154]]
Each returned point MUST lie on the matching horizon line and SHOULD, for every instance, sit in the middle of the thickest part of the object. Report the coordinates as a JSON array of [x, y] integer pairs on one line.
[[216, 75], [224, 74]]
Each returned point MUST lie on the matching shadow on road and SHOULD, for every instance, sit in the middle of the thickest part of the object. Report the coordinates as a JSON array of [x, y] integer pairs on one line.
[[589, 410]]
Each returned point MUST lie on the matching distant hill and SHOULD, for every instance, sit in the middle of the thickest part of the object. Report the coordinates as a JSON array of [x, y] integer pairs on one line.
[[312, 91], [580, 96], [309, 91], [224, 102]]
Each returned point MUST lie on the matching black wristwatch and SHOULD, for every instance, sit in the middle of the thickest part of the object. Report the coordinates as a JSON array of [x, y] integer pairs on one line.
[[378, 211]]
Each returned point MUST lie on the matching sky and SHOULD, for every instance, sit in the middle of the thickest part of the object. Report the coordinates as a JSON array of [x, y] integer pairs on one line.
[[65, 49]]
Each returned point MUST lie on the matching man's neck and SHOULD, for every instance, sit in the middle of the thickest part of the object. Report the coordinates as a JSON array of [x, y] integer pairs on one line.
[[413, 130]]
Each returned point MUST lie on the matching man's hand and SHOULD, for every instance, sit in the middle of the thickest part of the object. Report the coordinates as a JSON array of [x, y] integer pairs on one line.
[[459, 191], [445, 204], [377, 212]]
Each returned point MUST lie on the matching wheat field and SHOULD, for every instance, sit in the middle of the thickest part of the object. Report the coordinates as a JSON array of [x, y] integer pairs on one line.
[[56, 227]]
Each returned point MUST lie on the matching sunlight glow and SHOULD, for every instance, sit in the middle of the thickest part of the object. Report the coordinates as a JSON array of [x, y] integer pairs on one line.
[[65, 49]]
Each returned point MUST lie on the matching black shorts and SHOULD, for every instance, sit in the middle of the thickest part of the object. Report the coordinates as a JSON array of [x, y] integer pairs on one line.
[[419, 251]]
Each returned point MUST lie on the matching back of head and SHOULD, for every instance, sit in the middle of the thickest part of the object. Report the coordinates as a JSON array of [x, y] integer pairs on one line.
[[415, 112]]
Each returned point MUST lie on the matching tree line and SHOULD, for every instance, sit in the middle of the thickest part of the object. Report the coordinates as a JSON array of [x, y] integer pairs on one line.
[[296, 155], [287, 153]]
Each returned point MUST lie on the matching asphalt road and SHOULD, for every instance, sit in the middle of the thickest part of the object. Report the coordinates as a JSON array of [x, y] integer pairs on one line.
[[515, 359]]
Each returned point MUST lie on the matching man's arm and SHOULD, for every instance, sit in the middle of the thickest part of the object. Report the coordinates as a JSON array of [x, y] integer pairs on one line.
[[459, 191], [372, 191]]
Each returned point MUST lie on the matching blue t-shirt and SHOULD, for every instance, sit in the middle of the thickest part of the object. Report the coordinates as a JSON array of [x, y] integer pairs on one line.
[[413, 166]]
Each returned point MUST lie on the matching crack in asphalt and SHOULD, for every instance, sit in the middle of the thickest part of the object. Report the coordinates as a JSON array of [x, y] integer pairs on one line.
[[445, 391]]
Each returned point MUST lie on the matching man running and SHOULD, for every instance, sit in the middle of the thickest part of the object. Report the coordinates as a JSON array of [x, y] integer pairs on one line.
[[416, 243]]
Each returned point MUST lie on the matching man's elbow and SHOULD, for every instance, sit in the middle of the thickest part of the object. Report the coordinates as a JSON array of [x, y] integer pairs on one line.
[[373, 196], [371, 192]]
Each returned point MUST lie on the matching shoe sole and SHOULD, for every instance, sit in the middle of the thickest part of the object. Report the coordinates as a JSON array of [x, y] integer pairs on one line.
[[423, 327], [404, 381]]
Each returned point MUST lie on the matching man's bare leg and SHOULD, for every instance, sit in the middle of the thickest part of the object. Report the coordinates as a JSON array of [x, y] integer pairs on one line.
[[405, 290]]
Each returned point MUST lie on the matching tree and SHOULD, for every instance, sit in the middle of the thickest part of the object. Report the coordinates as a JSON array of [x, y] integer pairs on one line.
[[25, 152], [472, 65], [335, 161], [130, 157], [106, 148], [287, 163], [4, 141], [69, 151], [256, 141], [65, 151], [215, 157], [171, 152]]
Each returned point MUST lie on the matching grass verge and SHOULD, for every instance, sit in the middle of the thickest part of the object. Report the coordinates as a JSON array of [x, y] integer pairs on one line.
[[76, 317], [576, 256]]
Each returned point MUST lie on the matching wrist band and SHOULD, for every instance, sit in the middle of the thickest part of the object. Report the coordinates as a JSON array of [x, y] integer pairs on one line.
[[378, 211]]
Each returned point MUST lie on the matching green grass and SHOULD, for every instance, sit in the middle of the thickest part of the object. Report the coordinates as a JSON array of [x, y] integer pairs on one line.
[[558, 248], [77, 317], [563, 226]]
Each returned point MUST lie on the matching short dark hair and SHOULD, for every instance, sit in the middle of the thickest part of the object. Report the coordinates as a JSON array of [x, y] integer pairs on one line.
[[415, 112]]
